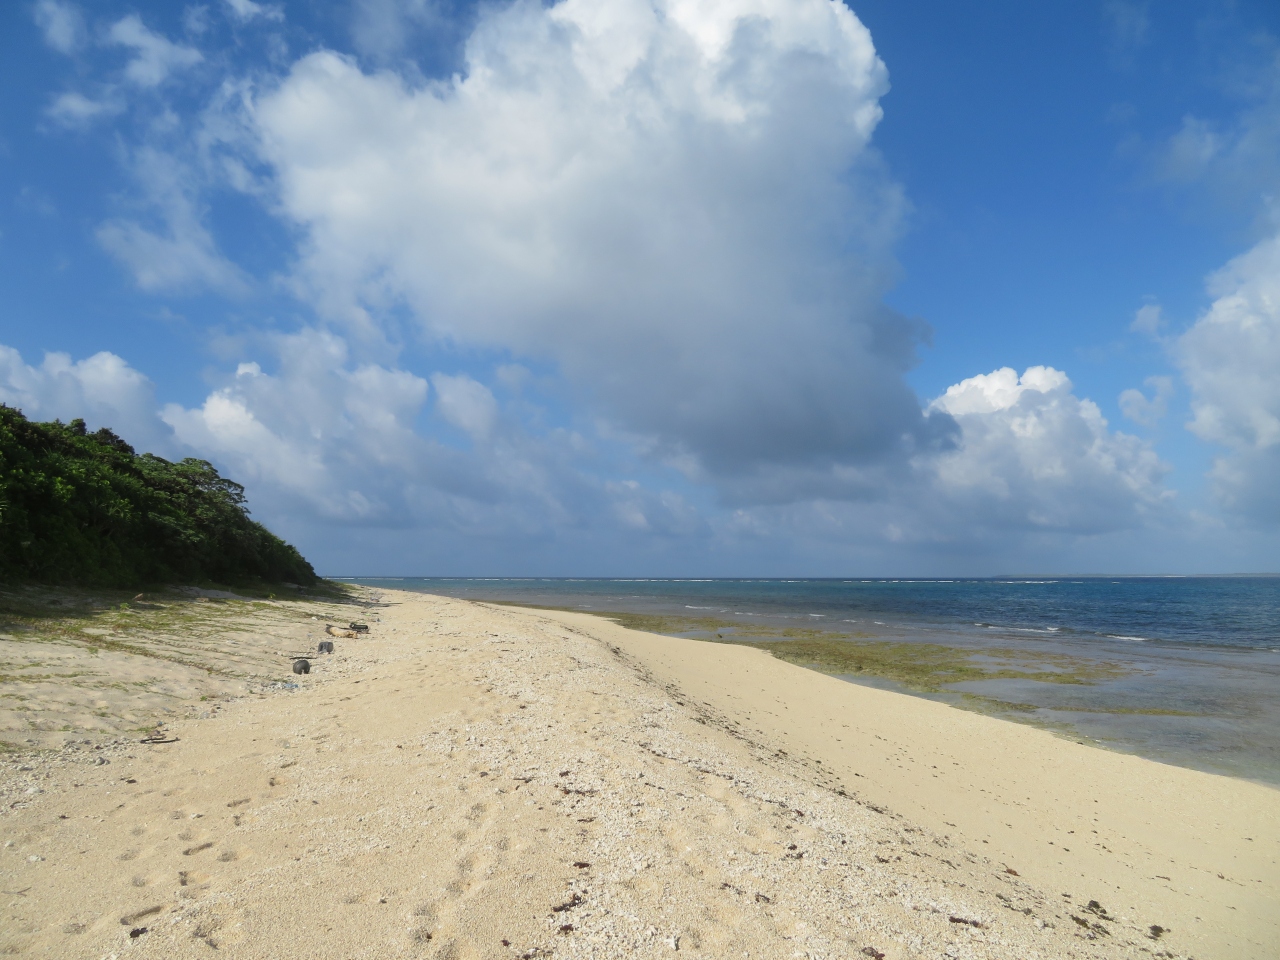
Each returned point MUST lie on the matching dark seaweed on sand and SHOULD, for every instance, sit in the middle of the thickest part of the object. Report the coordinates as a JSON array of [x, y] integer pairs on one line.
[[84, 508]]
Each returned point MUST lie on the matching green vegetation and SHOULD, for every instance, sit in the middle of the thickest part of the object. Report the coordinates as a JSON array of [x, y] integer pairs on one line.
[[84, 508]]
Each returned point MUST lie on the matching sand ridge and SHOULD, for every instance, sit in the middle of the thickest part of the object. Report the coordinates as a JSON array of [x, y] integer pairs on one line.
[[470, 781]]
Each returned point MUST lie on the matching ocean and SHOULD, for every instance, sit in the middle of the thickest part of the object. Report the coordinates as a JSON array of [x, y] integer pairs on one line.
[[1182, 670]]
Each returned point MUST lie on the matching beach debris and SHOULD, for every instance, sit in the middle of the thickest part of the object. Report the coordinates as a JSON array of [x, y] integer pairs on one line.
[[1095, 927], [360, 627], [966, 921], [581, 864], [333, 631], [133, 918], [136, 932], [193, 850], [566, 928], [326, 646], [301, 666], [1155, 931], [1098, 910], [568, 904], [1012, 872], [873, 953]]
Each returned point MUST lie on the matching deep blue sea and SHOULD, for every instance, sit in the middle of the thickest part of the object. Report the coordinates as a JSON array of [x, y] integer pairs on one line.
[[1206, 648]]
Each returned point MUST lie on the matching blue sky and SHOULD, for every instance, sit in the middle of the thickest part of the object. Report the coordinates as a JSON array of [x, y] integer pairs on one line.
[[783, 287]]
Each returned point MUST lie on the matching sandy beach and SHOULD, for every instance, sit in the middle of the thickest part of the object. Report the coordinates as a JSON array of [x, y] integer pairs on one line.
[[468, 780]]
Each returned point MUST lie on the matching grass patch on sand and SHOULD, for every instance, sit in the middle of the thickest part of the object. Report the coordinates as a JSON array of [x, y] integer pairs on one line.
[[174, 625]]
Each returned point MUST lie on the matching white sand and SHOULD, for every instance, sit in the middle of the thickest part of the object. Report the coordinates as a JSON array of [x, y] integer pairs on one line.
[[468, 775]]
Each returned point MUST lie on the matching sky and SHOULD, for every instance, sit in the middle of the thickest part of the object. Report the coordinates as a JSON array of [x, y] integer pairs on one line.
[[663, 287]]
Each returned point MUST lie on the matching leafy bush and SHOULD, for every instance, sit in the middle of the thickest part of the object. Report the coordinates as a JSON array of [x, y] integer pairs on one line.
[[84, 508]]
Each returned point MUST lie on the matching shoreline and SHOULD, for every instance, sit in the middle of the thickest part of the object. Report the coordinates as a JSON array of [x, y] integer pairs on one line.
[[1076, 692], [1193, 822], [444, 777]]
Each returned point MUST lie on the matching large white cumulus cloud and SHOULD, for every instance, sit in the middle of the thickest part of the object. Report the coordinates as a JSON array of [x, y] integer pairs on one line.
[[674, 202], [1033, 455], [1231, 360]]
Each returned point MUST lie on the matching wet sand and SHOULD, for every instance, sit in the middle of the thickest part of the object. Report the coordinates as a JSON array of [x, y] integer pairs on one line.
[[476, 781]]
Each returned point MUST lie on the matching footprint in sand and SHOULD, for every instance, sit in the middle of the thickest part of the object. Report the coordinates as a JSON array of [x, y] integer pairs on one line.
[[426, 912], [421, 935]]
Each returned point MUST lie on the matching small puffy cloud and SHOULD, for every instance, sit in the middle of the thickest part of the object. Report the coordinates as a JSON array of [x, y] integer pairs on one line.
[[328, 439], [176, 253], [1148, 320], [1230, 359], [673, 205], [467, 404], [387, 29], [103, 390], [1032, 455], [154, 56], [1144, 410], [180, 259], [1128, 24], [62, 25], [322, 431], [1191, 150], [648, 512], [1238, 158], [245, 10], [74, 109]]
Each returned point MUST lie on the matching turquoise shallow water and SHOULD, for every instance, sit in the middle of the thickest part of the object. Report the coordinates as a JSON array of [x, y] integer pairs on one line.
[[1208, 647]]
